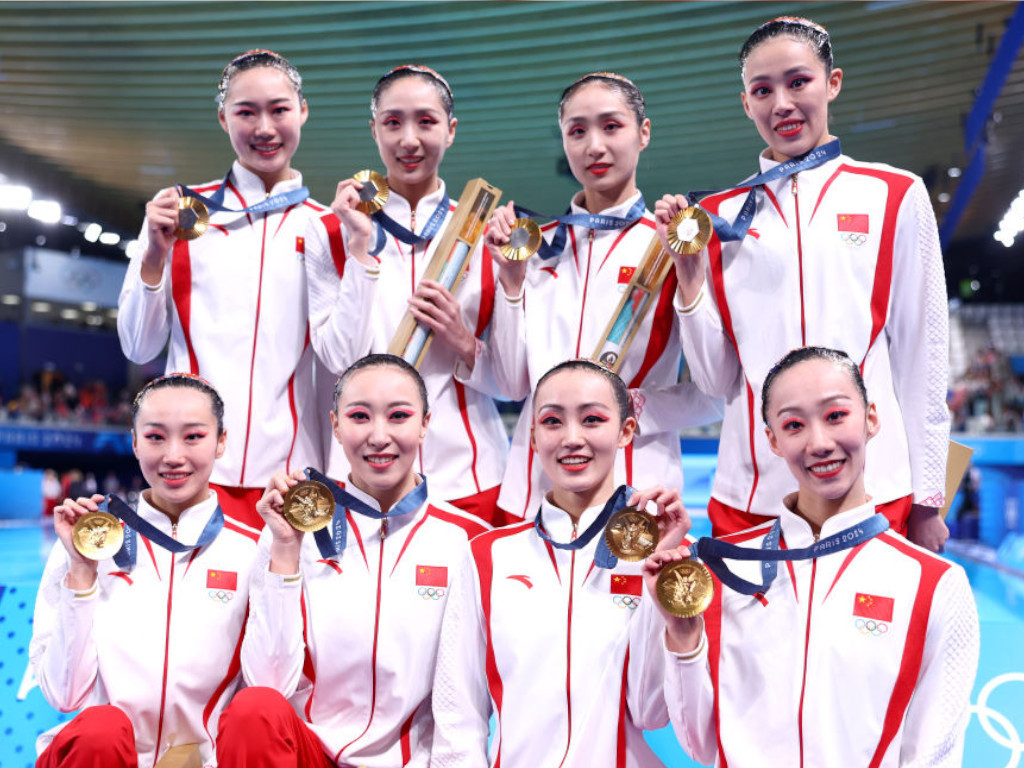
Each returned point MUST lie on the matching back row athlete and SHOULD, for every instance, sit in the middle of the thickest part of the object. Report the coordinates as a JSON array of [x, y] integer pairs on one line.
[[552, 309]]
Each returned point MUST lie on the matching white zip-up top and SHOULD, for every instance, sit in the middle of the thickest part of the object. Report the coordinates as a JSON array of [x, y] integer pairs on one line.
[[352, 640], [567, 303], [233, 304], [355, 311], [863, 657], [566, 655], [845, 255], [161, 641]]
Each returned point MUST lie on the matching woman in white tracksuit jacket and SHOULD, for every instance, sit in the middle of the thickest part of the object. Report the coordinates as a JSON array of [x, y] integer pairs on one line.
[[233, 302], [843, 254], [862, 655], [148, 649], [357, 300], [552, 309], [546, 631], [341, 643]]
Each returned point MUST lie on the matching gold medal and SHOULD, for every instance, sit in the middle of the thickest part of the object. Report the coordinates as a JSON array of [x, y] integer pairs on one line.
[[308, 506], [523, 240], [689, 230], [193, 218], [374, 193], [97, 535], [685, 588], [631, 534]]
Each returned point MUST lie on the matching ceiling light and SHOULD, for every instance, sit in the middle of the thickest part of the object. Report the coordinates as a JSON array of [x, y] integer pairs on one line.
[[46, 211], [94, 320], [110, 238], [89, 306], [69, 221], [69, 313], [40, 306], [1012, 223], [944, 197], [954, 172], [92, 232], [10, 300], [15, 197]]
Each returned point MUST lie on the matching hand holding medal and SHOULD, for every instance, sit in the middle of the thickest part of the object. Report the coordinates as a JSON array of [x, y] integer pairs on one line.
[[292, 505]]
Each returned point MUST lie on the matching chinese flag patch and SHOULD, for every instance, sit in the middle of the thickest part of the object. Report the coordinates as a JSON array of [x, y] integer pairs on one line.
[[873, 607], [431, 576], [853, 222], [221, 579], [627, 585], [626, 274], [300, 245]]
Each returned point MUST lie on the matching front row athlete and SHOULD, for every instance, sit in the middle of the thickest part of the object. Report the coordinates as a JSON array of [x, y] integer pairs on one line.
[[345, 625], [147, 641], [544, 628], [855, 656]]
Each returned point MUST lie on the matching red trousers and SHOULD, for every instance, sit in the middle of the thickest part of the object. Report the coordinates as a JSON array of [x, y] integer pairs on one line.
[[726, 519], [240, 503], [259, 729], [99, 737]]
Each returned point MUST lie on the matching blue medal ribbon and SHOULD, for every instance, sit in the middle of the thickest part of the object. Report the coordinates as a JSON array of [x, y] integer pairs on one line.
[[714, 551], [125, 556], [603, 558], [332, 541], [215, 202], [738, 229], [588, 220], [386, 223]]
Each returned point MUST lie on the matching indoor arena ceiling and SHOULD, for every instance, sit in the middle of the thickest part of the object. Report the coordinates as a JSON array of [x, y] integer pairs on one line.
[[106, 102]]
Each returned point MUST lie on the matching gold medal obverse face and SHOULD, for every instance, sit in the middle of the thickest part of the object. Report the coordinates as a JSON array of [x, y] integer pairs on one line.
[[193, 218], [97, 535], [524, 240], [308, 506], [689, 231], [374, 193], [631, 534], [685, 588]]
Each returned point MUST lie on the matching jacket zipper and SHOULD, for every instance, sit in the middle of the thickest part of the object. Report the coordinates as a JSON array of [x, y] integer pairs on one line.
[[800, 263], [167, 648], [568, 648], [586, 285], [807, 647]]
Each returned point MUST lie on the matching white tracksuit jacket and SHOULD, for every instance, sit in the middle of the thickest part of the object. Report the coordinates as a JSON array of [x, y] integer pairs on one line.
[[161, 642], [355, 311], [845, 255], [352, 642], [233, 303], [566, 655], [864, 657], [566, 305]]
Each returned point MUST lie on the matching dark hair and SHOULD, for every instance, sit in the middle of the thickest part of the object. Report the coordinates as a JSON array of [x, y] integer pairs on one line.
[[414, 70], [837, 357], [622, 400], [182, 381], [252, 60], [381, 361], [813, 34], [625, 87]]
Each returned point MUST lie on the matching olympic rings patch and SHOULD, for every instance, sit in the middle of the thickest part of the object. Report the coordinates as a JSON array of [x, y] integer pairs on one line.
[[871, 627], [431, 593], [627, 601], [853, 238], [221, 595]]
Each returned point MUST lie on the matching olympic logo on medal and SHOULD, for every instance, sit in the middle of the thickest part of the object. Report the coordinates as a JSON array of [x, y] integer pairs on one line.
[[1003, 731], [221, 595], [871, 627], [853, 238], [431, 593], [627, 601]]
